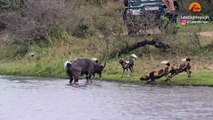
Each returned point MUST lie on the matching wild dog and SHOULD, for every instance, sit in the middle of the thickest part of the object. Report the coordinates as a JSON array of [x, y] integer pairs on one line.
[[98, 68], [152, 76], [184, 67], [128, 64]]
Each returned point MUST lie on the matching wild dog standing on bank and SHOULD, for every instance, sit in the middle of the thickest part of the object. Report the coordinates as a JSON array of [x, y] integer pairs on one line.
[[152, 76], [169, 71], [128, 64], [98, 67], [184, 67]]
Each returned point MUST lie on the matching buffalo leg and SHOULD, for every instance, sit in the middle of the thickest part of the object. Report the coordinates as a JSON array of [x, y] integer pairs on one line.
[[71, 79], [76, 81], [93, 76], [76, 78], [100, 76], [89, 78], [70, 75]]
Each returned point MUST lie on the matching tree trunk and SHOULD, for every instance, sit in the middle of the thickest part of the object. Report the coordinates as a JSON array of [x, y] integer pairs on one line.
[[154, 42]]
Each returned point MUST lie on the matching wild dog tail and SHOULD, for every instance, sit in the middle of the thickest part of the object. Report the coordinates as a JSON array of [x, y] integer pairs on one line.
[[67, 64], [166, 62], [134, 56], [95, 60]]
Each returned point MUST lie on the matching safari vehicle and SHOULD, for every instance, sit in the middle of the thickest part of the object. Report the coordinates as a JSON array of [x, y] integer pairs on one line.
[[141, 15]]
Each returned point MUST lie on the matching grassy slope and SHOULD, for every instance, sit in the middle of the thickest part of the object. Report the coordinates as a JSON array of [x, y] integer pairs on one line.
[[48, 61], [201, 78], [49, 67]]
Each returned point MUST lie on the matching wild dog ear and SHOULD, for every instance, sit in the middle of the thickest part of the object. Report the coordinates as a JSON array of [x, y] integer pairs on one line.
[[134, 56], [188, 59]]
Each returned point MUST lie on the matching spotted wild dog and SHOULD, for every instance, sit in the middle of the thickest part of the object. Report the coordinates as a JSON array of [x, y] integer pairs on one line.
[[152, 76], [184, 67], [128, 64]]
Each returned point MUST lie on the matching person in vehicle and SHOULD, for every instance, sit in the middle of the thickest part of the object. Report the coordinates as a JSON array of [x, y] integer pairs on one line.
[[170, 5]]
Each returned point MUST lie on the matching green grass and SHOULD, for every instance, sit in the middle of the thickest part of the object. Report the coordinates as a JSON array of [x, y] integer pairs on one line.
[[200, 78], [51, 67], [204, 78], [44, 68], [49, 61]]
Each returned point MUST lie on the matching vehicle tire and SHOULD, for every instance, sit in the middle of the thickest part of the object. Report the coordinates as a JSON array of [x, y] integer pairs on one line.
[[126, 3]]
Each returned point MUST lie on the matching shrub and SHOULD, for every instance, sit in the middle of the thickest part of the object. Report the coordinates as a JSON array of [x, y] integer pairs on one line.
[[82, 30], [36, 19], [21, 47]]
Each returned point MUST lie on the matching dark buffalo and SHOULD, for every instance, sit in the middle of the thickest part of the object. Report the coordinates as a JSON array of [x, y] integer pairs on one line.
[[81, 66]]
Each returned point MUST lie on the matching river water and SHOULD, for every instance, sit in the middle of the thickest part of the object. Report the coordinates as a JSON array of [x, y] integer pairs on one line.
[[53, 99]]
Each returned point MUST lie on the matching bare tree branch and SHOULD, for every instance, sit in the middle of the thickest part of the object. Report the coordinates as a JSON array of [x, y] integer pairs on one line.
[[154, 42]]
